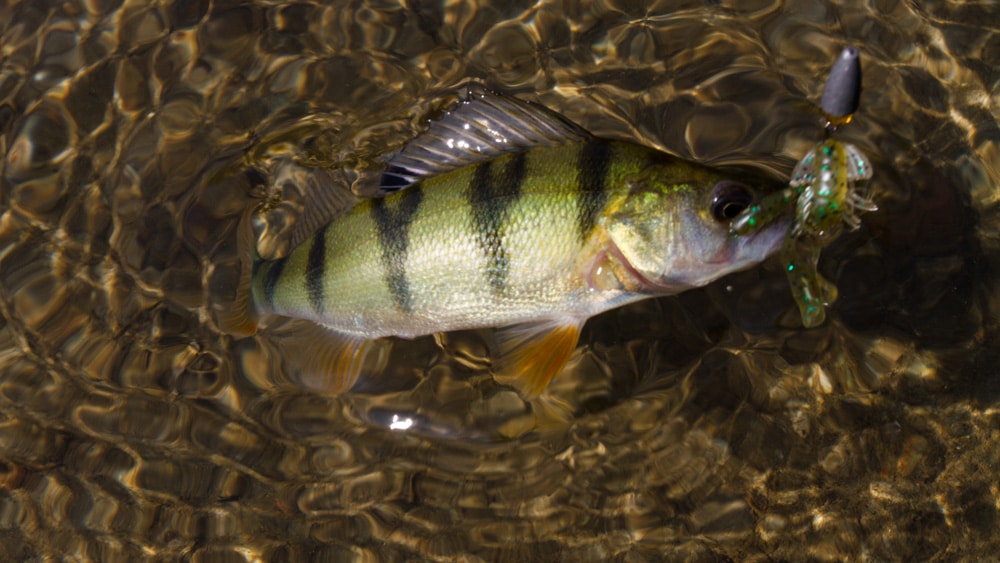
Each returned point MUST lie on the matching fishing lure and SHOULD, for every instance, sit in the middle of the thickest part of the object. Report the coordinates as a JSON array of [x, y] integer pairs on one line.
[[824, 195]]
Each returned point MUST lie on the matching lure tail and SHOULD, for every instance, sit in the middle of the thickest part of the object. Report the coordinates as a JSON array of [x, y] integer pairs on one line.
[[811, 291]]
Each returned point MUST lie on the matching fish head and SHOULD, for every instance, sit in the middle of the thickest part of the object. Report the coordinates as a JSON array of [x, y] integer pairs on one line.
[[670, 229]]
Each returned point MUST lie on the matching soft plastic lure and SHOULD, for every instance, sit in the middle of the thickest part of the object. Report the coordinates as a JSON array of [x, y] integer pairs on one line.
[[825, 197], [823, 192]]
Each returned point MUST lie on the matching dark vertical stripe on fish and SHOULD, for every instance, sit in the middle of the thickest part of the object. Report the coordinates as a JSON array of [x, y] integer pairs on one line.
[[592, 175], [490, 196], [271, 277], [316, 270], [393, 224]]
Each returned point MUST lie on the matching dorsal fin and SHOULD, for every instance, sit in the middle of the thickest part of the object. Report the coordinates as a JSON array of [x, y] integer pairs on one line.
[[482, 125], [310, 197]]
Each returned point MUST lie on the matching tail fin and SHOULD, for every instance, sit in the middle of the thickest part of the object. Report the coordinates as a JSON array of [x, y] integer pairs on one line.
[[240, 319]]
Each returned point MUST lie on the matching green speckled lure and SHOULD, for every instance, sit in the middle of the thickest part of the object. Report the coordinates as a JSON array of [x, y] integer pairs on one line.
[[824, 194]]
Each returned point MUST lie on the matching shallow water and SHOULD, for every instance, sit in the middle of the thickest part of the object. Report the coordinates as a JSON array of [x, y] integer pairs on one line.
[[705, 426]]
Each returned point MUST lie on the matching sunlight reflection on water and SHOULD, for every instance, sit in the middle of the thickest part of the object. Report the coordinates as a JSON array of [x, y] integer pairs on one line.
[[704, 426]]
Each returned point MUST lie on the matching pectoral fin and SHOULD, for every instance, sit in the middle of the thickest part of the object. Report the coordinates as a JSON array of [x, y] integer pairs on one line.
[[328, 361], [530, 355]]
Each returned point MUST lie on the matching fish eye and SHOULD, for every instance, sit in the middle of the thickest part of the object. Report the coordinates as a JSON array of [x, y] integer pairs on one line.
[[729, 199]]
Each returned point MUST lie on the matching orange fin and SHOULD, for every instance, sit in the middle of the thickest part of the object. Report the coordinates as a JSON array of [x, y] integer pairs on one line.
[[532, 354], [328, 361], [240, 319]]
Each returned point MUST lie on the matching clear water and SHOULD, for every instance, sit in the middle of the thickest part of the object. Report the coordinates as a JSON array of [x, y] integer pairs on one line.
[[702, 427]]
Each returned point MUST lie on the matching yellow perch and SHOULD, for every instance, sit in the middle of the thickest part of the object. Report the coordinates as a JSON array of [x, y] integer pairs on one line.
[[505, 215]]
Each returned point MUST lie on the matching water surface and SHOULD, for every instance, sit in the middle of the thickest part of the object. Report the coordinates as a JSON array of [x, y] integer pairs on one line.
[[702, 427]]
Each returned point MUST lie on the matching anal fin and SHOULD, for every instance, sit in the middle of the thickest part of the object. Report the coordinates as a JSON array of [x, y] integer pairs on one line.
[[330, 362], [531, 354]]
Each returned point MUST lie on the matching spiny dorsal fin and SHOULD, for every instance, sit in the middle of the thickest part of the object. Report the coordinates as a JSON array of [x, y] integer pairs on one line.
[[482, 125], [322, 199]]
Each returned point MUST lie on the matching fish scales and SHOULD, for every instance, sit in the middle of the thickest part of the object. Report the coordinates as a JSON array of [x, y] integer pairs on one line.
[[592, 167], [495, 187], [393, 226], [315, 269], [500, 240]]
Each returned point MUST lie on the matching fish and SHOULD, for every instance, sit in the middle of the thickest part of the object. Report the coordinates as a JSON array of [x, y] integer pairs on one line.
[[502, 215], [824, 191]]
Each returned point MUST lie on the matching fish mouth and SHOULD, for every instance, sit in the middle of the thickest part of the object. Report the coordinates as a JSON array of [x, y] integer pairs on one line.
[[699, 269], [745, 251], [758, 246], [773, 235]]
